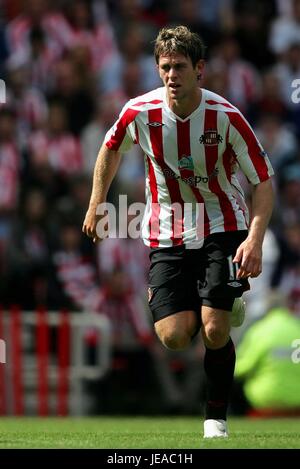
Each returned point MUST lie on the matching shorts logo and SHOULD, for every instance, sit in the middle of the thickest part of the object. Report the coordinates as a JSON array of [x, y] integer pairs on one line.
[[155, 124], [150, 294], [211, 138], [234, 284]]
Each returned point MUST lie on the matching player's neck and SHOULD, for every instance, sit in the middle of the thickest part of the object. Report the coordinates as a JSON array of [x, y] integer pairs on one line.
[[185, 106]]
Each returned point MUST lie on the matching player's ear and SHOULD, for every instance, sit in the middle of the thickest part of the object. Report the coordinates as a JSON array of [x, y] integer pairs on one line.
[[158, 71], [199, 69]]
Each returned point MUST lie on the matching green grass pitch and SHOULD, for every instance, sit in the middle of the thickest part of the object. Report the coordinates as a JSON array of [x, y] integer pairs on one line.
[[143, 432]]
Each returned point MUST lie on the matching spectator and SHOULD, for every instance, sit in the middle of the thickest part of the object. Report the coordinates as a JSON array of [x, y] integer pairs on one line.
[[242, 78], [74, 280], [269, 100], [270, 378], [278, 140], [10, 166], [52, 22], [28, 253], [97, 38], [28, 103], [289, 202], [285, 30], [133, 54], [55, 146], [286, 273], [107, 109], [287, 70], [10, 163], [75, 94]]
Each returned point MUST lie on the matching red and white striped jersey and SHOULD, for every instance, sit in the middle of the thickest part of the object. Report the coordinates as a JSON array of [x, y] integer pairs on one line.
[[188, 162]]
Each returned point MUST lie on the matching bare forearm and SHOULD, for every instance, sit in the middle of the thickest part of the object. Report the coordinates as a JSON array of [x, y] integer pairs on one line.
[[105, 170], [249, 253], [262, 206]]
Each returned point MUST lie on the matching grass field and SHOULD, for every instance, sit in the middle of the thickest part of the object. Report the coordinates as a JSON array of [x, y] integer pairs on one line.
[[141, 432]]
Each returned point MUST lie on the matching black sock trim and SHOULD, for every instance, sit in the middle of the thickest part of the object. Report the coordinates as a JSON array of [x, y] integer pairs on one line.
[[222, 354]]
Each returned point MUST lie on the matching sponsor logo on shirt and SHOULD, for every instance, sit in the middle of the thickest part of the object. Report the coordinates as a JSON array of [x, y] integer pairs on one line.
[[155, 124], [194, 180], [186, 162], [211, 138]]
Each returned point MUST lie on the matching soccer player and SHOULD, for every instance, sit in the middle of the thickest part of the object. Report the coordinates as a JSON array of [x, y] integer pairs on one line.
[[194, 141]]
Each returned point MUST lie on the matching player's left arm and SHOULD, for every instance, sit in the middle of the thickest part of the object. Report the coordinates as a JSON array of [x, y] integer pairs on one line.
[[249, 253], [256, 166]]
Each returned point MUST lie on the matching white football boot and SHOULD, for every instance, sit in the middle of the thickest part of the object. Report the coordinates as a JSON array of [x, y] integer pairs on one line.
[[215, 429], [237, 314]]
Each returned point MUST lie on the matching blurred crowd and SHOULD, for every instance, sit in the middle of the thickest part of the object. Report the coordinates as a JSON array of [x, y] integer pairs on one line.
[[69, 66]]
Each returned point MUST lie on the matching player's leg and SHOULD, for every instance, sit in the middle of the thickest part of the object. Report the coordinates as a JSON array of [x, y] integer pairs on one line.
[[218, 295], [219, 363], [173, 297], [176, 331]]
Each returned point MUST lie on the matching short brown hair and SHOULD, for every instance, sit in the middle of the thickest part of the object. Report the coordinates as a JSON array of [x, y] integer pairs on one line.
[[179, 40]]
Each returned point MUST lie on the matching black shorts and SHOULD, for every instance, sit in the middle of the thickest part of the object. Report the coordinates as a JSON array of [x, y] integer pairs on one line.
[[183, 279]]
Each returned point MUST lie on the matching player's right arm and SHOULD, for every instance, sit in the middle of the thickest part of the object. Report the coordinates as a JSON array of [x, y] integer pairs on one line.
[[106, 166], [118, 140]]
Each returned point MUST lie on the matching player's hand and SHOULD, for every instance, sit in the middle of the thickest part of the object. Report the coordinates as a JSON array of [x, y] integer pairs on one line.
[[91, 228], [249, 258]]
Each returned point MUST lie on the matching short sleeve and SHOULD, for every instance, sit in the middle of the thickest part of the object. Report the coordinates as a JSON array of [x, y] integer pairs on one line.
[[249, 153], [122, 135]]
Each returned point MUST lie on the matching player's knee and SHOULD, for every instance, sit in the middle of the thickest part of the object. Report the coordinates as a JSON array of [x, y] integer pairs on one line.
[[216, 336], [175, 340]]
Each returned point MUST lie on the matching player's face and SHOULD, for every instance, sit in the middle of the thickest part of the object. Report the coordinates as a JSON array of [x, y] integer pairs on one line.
[[179, 75]]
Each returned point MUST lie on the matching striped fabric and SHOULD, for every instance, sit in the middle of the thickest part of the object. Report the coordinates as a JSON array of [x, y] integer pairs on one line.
[[188, 162]]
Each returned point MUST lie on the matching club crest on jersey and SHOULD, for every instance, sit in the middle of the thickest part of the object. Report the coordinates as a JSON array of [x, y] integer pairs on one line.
[[155, 124], [211, 137], [186, 162]]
